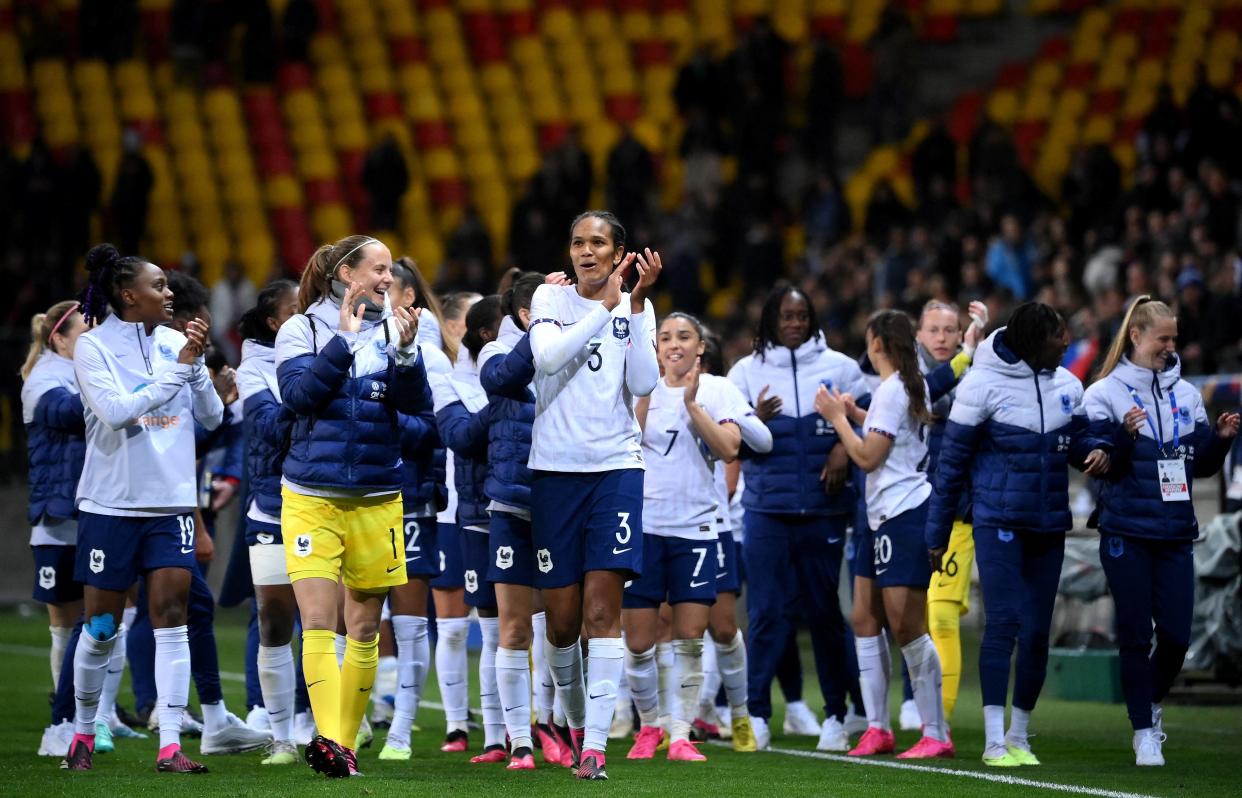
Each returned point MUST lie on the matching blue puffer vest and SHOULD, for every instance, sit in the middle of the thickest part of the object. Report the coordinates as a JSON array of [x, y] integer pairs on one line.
[[55, 437], [267, 424], [506, 377], [347, 395]]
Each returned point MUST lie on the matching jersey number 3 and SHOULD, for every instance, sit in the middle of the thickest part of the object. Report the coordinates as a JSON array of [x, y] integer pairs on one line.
[[595, 360]]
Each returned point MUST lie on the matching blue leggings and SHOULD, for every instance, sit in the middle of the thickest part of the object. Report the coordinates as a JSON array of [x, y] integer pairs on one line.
[[794, 563], [1151, 580], [1019, 573]]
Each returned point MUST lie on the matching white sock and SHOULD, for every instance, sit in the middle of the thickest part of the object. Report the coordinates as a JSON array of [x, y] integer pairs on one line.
[[90, 668], [489, 692], [873, 678], [278, 681], [215, 716], [413, 661], [172, 681], [385, 678], [644, 681], [711, 677], [112, 680], [451, 670], [994, 726], [128, 615], [605, 661], [56, 655], [668, 693], [687, 680], [924, 665], [624, 699], [566, 665], [341, 642], [558, 713], [513, 684], [1019, 724], [541, 674], [731, 659]]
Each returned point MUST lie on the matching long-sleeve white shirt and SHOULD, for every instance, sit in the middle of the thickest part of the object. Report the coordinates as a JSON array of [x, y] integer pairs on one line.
[[140, 407], [590, 364]]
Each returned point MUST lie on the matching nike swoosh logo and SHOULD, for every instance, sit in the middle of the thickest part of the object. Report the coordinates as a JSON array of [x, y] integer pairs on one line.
[[453, 684], [615, 550], [697, 584], [364, 689], [834, 540], [879, 571], [721, 574], [594, 697], [312, 684], [407, 687], [184, 550], [395, 567], [510, 709]]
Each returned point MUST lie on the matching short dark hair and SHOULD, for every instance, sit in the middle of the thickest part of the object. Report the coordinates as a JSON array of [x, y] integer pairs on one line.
[[482, 314], [768, 333], [1031, 326], [189, 295]]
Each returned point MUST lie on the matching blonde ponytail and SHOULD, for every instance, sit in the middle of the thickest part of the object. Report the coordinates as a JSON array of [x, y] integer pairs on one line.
[[1142, 312], [42, 327]]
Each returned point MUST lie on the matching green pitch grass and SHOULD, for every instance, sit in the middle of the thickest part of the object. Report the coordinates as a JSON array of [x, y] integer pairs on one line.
[[1083, 745]]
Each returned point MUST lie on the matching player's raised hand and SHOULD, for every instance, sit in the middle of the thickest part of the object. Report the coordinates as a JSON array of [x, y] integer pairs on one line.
[[351, 317], [766, 407], [557, 278], [1227, 425], [195, 342], [406, 322], [612, 288], [692, 387], [649, 268]]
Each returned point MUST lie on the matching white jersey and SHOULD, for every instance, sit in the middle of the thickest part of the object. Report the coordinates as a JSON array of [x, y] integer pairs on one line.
[[900, 483], [679, 491], [140, 407], [590, 364]]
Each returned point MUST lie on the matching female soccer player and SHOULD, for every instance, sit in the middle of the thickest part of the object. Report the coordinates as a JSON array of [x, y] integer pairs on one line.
[[462, 414], [267, 426], [689, 422], [1017, 421], [56, 445], [891, 571], [594, 352], [1146, 513], [506, 369], [143, 386], [799, 500], [346, 366], [422, 459]]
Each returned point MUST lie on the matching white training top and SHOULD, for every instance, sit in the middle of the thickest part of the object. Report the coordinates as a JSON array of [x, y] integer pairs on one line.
[[900, 483], [590, 364], [140, 407], [679, 490]]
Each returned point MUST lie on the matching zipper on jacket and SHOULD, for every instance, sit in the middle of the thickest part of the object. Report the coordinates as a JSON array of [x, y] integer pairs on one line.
[[793, 362], [1043, 446], [353, 418], [1156, 394]]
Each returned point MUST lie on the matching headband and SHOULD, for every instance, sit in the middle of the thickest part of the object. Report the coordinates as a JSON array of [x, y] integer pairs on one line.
[[352, 251], [68, 313]]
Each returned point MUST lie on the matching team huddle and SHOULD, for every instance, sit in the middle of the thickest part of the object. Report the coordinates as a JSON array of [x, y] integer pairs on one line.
[[598, 489]]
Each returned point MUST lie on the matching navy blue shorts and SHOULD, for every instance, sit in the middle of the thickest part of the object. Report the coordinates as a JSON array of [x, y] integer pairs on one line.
[[422, 559], [898, 551], [513, 555], [586, 522], [676, 570], [448, 546], [54, 582], [476, 554], [261, 533], [114, 550]]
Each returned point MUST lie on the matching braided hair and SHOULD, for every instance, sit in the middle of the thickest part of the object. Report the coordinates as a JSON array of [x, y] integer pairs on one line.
[[768, 333], [109, 274], [1031, 326]]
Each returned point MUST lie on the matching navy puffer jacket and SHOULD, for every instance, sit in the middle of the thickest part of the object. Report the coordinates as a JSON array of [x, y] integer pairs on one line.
[[267, 424], [462, 416], [422, 452], [506, 377], [55, 437], [1010, 436], [347, 391], [786, 480], [1130, 500]]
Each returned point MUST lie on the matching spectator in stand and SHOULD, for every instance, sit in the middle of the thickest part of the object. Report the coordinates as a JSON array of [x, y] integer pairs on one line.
[[631, 173], [298, 25], [131, 194], [230, 298], [1009, 258], [385, 177]]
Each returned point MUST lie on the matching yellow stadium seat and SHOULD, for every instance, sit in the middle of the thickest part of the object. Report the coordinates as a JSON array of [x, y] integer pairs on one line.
[[520, 166], [308, 136], [1045, 75], [316, 164], [637, 26], [497, 78], [619, 79], [243, 194], [1037, 105], [257, 253], [283, 191], [416, 77], [1138, 102], [441, 23], [1070, 105], [350, 135], [372, 80], [1003, 106], [440, 164], [331, 222], [599, 24]]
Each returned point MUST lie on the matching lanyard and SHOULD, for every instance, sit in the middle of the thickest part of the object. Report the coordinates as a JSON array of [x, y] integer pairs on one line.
[[1177, 438]]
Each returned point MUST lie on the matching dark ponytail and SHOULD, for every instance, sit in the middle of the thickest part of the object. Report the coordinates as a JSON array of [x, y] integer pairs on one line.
[[521, 291], [109, 273], [483, 315], [253, 325], [895, 332], [607, 217], [712, 359], [316, 281]]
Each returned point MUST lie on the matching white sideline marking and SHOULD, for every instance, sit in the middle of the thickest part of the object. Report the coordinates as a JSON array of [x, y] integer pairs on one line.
[[996, 778]]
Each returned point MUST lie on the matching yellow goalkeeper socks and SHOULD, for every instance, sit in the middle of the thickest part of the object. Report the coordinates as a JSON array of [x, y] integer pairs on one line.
[[357, 678], [323, 680]]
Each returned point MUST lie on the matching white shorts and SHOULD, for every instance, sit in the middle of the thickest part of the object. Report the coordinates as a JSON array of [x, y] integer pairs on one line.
[[267, 564]]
